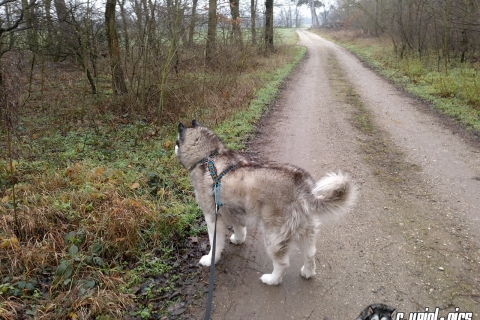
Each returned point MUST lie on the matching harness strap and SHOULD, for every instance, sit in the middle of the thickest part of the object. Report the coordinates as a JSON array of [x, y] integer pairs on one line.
[[216, 178]]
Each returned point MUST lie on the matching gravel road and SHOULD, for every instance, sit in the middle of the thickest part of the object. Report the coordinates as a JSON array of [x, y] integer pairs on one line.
[[413, 240]]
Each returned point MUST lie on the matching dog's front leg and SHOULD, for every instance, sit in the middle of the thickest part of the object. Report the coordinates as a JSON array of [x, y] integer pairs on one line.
[[221, 231]]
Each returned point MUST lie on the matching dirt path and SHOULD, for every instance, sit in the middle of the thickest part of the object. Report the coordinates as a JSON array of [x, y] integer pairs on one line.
[[413, 240]]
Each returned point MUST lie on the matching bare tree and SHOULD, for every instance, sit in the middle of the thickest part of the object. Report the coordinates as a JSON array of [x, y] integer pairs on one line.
[[253, 17], [125, 23], [193, 19], [269, 25], [449, 29], [12, 24], [66, 29], [29, 17], [212, 30], [312, 4], [236, 21], [118, 80]]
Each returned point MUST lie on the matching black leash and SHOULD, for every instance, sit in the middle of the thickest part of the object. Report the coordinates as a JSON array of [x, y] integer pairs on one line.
[[216, 197], [211, 280]]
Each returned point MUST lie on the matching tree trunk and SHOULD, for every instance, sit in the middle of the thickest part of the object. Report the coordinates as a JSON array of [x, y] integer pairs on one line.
[[67, 32], [28, 15], [48, 23], [212, 30], [191, 27], [118, 81], [446, 33], [312, 13], [253, 15], [11, 38], [123, 14], [269, 25], [236, 21]]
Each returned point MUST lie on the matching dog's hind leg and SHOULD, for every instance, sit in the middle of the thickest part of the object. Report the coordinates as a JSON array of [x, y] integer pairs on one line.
[[220, 239], [307, 246], [278, 252], [239, 235]]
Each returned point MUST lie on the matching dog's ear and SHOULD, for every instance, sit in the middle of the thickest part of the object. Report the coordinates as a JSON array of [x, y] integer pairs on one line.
[[195, 123], [370, 310], [181, 132]]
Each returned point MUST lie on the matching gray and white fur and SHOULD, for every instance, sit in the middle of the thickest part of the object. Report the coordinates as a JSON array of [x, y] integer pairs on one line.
[[281, 198], [377, 311]]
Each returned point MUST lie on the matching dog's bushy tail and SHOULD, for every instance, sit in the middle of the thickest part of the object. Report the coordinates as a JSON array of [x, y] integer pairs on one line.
[[336, 193]]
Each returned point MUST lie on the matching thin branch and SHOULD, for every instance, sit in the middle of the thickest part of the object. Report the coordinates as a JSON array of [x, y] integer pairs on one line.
[[19, 20]]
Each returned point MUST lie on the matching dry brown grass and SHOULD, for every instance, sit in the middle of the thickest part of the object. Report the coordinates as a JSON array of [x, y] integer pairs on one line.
[[100, 216]]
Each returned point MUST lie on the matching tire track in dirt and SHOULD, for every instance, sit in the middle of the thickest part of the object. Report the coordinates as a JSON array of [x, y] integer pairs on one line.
[[408, 243]]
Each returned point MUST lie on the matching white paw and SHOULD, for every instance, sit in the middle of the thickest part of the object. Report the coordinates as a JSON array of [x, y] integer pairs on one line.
[[270, 279], [206, 261], [234, 240], [307, 273]]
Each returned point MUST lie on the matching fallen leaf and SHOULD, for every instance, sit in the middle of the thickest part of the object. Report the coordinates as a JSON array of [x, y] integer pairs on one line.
[[160, 192], [11, 243], [97, 195], [135, 185], [193, 239], [99, 171]]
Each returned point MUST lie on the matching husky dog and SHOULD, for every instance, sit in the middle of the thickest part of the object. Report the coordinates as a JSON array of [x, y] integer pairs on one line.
[[378, 311], [283, 199]]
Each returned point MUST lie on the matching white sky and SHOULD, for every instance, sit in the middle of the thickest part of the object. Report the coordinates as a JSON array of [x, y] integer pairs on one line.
[[223, 6], [245, 6]]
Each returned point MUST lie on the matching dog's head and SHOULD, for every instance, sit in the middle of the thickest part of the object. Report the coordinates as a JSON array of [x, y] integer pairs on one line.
[[377, 311], [195, 143]]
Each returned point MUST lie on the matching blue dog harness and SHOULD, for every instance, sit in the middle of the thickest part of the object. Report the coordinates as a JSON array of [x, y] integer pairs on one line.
[[216, 178]]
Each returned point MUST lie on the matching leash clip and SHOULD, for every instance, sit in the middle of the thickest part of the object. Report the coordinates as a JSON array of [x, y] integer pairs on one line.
[[216, 194]]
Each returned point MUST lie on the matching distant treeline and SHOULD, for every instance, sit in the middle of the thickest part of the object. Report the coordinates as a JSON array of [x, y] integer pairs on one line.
[[449, 29]]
